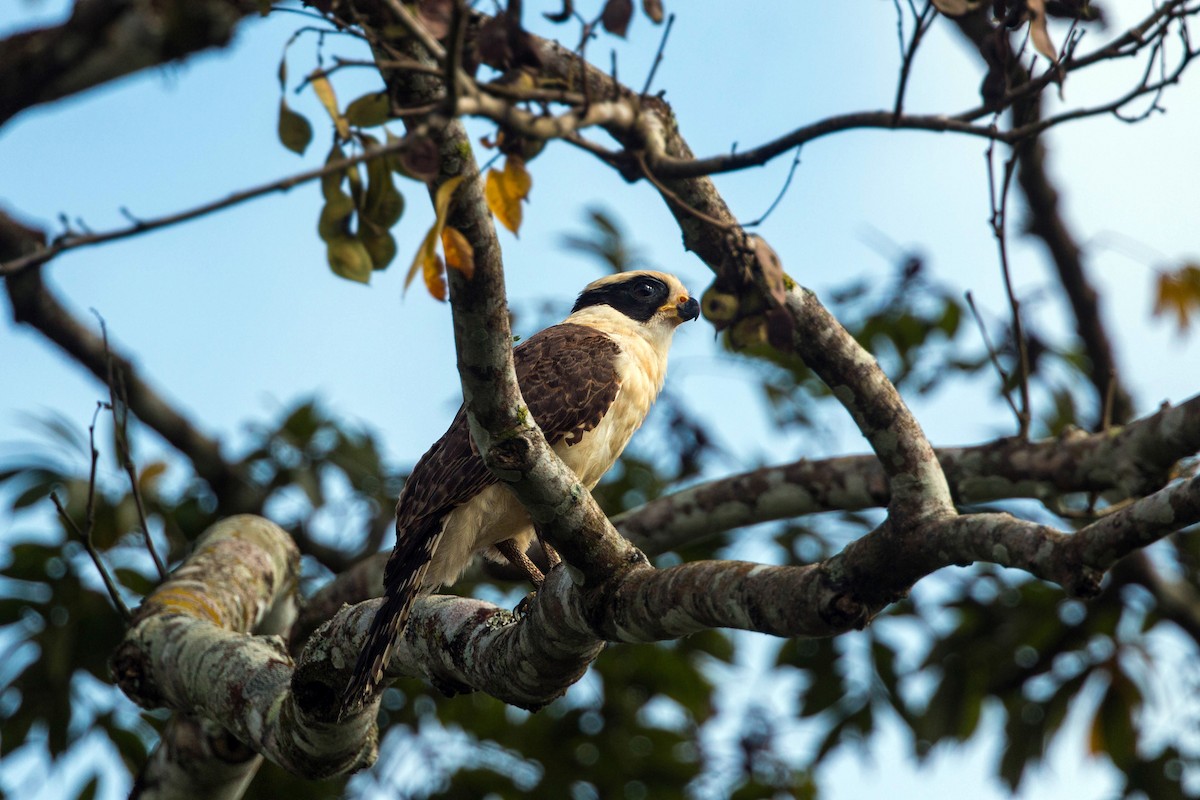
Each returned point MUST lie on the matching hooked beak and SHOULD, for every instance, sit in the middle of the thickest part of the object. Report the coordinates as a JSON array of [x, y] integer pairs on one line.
[[688, 309]]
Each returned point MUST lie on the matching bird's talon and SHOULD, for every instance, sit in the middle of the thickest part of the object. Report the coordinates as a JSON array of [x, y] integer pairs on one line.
[[524, 607]]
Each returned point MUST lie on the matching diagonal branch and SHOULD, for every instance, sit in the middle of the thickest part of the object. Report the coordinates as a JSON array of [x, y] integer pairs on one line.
[[107, 39], [508, 439], [35, 305], [73, 241]]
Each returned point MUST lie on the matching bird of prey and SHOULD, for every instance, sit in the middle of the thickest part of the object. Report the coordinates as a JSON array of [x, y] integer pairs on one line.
[[588, 382]]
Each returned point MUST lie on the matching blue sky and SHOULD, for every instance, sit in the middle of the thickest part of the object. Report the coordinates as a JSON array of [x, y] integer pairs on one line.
[[236, 315]]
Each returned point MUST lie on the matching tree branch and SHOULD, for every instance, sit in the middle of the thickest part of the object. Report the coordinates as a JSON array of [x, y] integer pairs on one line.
[[508, 439], [1120, 463], [107, 39], [188, 650]]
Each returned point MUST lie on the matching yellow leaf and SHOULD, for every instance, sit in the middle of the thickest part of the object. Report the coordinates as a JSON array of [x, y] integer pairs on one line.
[[427, 261], [435, 277], [505, 190], [324, 90], [1178, 293], [150, 475], [459, 253]]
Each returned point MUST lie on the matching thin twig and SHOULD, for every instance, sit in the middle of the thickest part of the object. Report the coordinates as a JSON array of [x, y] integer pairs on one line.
[[339, 63], [786, 183], [999, 230], [1110, 394], [85, 535], [1129, 44], [678, 201], [415, 29], [71, 242], [908, 54], [119, 405], [658, 57], [987, 342]]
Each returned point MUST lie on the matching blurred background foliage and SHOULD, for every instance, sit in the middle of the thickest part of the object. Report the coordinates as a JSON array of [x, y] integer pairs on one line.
[[648, 721]]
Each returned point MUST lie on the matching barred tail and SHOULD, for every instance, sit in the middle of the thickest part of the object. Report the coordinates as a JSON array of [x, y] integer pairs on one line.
[[402, 583]]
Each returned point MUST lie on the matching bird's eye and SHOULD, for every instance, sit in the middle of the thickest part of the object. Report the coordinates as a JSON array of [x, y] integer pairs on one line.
[[644, 290]]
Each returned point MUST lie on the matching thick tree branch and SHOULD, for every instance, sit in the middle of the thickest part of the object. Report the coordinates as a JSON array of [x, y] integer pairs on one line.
[[460, 644], [508, 439], [1133, 527], [107, 39], [1120, 463], [189, 650]]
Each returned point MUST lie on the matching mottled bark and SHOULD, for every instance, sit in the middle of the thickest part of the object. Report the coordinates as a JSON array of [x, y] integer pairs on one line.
[[190, 648]]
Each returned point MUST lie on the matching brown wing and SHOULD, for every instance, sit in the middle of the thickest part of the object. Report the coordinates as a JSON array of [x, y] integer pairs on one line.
[[568, 377]]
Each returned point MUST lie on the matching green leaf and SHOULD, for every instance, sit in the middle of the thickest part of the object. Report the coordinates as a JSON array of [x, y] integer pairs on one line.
[[349, 259], [380, 245], [382, 204], [34, 494], [89, 789], [295, 132], [369, 110], [334, 222]]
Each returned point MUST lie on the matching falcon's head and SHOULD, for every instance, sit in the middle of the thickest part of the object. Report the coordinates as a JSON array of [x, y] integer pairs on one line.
[[651, 303]]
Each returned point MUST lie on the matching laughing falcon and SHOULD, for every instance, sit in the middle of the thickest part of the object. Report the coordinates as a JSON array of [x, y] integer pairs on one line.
[[588, 381]]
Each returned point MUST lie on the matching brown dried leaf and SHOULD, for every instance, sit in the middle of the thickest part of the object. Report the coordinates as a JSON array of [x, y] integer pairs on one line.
[[1037, 30], [654, 10], [956, 8], [459, 253], [492, 42], [435, 16], [505, 191], [616, 16], [420, 160], [434, 274]]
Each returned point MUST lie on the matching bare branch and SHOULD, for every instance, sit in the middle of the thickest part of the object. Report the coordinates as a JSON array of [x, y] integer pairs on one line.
[[72, 241], [1138, 524], [35, 305], [1131, 461], [119, 406], [998, 199], [908, 53], [987, 342]]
